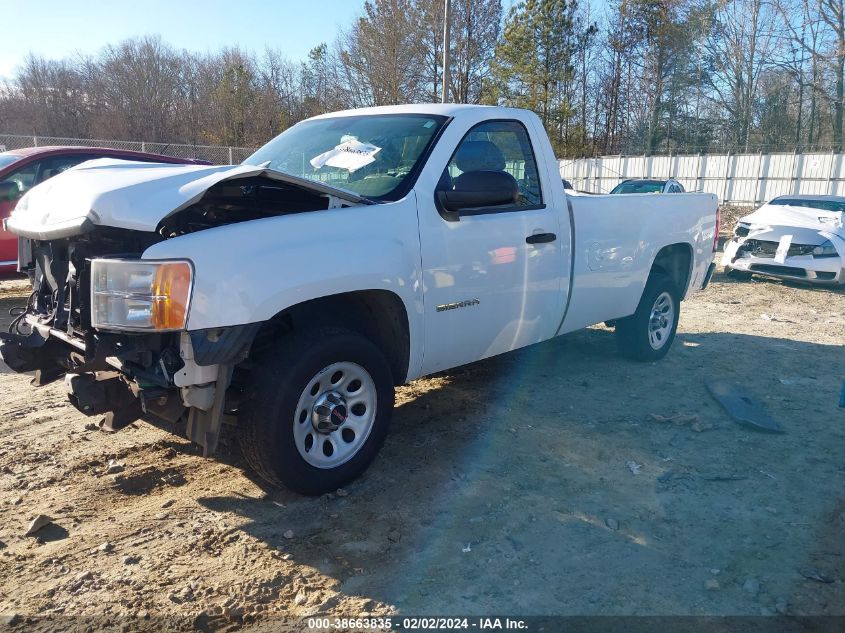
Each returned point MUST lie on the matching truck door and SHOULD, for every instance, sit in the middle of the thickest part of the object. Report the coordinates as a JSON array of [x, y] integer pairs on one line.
[[493, 276]]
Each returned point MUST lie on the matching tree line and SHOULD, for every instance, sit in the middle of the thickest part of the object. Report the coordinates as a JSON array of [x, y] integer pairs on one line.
[[616, 77]]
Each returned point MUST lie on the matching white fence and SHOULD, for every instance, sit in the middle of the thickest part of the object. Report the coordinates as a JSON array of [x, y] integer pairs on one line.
[[734, 178], [217, 154]]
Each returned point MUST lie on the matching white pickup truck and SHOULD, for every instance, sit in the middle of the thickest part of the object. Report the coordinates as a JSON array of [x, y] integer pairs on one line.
[[354, 252]]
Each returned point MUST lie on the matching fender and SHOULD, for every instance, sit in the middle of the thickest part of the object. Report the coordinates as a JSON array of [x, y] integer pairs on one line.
[[248, 272], [667, 228]]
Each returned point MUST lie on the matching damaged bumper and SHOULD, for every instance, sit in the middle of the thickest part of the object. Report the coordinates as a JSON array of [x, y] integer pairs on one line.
[[124, 377], [121, 372], [785, 260]]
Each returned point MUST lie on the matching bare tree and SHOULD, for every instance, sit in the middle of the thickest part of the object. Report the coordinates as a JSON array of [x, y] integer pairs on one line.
[[138, 85], [430, 19], [53, 94], [381, 54], [676, 75], [741, 48], [475, 32]]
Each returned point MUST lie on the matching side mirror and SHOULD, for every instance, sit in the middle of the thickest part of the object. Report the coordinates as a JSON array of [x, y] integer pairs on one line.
[[9, 190], [478, 190]]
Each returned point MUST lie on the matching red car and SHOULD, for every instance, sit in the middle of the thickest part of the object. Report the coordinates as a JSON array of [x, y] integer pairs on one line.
[[22, 169]]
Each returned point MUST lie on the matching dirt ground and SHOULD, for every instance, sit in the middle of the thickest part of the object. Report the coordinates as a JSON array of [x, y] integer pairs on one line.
[[546, 481]]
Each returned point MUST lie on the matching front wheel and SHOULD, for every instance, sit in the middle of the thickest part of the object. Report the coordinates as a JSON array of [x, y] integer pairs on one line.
[[647, 334], [319, 410]]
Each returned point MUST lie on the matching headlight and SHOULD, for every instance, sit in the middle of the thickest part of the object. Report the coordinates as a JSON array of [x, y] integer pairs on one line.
[[140, 295], [742, 229], [825, 249]]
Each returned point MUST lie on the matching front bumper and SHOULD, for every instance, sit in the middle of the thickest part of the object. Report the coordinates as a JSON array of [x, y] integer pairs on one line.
[[806, 268], [52, 352], [174, 377]]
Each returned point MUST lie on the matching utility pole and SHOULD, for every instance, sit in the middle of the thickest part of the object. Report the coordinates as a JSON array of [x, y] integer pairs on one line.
[[446, 50]]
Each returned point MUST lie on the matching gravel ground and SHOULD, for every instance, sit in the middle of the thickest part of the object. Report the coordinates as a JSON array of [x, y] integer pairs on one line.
[[560, 479]]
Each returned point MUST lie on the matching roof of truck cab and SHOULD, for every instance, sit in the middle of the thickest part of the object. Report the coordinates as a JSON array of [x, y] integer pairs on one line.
[[441, 109]]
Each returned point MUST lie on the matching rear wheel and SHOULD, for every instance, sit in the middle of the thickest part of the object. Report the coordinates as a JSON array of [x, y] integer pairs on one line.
[[647, 334], [319, 410]]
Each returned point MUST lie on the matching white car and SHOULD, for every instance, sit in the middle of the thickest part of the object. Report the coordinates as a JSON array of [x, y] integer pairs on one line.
[[797, 237], [354, 252]]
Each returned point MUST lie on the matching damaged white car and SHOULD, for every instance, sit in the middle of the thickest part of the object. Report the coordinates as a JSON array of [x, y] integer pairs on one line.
[[797, 237]]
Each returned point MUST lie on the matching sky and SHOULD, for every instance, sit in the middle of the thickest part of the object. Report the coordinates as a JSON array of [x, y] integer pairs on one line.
[[59, 28]]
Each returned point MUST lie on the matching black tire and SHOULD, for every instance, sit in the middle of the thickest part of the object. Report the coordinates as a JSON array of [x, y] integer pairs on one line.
[[279, 378], [738, 275], [632, 333]]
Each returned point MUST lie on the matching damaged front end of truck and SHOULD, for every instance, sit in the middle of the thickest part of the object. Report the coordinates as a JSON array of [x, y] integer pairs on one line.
[[114, 325]]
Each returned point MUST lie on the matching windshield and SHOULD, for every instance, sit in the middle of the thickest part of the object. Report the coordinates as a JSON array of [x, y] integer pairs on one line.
[[375, 156], [822, 205], [639, 186], [8, 159]]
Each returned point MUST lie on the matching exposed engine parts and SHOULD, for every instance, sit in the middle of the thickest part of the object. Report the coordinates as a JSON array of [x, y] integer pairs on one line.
[[234, 201], [124, 375]]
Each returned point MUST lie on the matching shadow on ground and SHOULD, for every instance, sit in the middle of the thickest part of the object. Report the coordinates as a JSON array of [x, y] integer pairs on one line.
[[538, 483]]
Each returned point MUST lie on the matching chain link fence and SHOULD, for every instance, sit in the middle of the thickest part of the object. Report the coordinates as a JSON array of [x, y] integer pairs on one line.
[[216, 154]]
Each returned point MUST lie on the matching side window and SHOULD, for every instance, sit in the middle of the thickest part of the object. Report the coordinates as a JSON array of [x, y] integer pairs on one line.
[[25, 176], [501, 146], [54, 166]]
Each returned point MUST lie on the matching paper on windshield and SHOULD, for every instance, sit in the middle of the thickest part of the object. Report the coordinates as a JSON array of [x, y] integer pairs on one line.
[[350, 155]]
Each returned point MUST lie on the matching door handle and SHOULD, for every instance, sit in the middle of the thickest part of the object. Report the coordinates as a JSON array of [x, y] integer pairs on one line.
[[540, 238]]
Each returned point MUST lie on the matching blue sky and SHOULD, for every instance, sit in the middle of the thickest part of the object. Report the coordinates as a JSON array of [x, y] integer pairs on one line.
[[59, 28]]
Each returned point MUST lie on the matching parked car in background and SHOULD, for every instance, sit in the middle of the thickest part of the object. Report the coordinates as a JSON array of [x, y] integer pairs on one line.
[[791, 237], [22, 169], [648, 186]]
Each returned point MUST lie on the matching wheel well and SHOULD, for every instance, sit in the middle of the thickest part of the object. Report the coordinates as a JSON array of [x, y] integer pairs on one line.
[[378, 315], [675, 261]]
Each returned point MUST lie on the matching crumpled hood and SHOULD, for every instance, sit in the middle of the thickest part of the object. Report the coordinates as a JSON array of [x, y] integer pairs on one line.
[[799, 235], [128, 194], [774, 215]]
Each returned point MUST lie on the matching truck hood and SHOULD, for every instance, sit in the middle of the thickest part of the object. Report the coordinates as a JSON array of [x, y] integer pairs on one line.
[[774, 215], [130, 195]]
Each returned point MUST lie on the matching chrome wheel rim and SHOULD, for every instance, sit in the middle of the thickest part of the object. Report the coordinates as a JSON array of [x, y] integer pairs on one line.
[[334, 415], [661, 320]]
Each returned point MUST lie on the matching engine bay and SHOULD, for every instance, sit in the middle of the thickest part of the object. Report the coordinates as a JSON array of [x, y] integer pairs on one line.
[[242, 200], [118, 372]]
